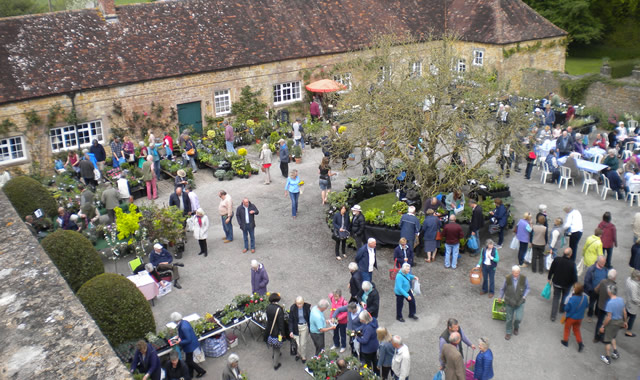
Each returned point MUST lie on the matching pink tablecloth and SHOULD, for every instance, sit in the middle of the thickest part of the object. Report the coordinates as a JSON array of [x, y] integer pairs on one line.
[[145, 284]]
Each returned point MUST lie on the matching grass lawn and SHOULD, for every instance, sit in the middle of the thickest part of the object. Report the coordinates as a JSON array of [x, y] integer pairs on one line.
[[382, 202], [580, 66]]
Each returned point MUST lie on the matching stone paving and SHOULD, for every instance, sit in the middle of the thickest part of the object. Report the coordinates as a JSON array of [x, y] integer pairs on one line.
[[298, 255]]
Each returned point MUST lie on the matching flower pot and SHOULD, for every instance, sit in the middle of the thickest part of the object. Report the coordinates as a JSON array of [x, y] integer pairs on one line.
[[298, 160]]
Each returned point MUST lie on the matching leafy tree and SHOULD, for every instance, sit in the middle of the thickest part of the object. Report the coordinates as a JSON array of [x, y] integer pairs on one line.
[[10, 8], [249, 106], [418, 116], [574, 16]]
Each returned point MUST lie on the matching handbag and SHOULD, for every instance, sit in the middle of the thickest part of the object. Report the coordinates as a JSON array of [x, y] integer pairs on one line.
[[191, 152], [191, 224], [494, 228], [416, 287], [271, 341], [438, 235], [472, 243], [546, 292], [393, 272], [264, 170], [515, 244], [294, 348], [528, 256], [198, 355], [580, 267]]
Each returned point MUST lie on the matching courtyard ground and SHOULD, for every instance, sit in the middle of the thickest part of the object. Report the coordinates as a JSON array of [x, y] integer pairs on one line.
[[298, 255]]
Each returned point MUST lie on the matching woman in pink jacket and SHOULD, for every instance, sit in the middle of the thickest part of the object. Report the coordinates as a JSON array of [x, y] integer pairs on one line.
[[340, 333]]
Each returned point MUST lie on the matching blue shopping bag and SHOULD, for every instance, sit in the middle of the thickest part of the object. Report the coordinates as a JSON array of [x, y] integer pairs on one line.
[[546, 292], [472, 243], [438, 376]]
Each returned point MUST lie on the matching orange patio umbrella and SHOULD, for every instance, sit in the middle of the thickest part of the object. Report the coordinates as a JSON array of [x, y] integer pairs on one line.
[[325, 85]]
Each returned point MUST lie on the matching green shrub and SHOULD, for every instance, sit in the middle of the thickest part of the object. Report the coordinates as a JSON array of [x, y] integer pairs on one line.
[[74, 255], [118, 307], [621, 69], [27, 195]]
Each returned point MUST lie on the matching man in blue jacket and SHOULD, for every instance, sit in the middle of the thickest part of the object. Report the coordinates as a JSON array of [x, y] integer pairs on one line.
[[366, 259], [410, 226], [163, 260], [284, 158], [595, 273], [188, 342]]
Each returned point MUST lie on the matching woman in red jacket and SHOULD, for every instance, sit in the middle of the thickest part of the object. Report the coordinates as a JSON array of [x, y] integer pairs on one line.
[[609, 236]]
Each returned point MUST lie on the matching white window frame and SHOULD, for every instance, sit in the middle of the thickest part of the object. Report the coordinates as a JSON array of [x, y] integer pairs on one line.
[[345, 80], [478, 57], [71, 137], [461, 66], [12, 149], [222, 102], [385, 73], [433, 69], [287, 92], [415, 68]]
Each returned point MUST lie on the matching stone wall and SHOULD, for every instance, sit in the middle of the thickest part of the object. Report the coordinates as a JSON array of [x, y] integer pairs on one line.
[[46, 332], [620, 96], [98, 104]]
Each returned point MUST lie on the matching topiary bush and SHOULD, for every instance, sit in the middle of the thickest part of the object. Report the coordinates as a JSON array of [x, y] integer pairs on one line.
[[27, 195], [118, 307], [74, 255]]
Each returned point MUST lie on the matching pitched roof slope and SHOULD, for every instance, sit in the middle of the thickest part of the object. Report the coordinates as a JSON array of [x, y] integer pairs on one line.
[[62, 52], [498, 21]]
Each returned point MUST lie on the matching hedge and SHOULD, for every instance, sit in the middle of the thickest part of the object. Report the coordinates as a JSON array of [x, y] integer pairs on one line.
[[74, 255], [118, 307], [27, 195]]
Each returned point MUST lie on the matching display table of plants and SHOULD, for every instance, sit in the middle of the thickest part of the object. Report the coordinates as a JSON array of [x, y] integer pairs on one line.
[[324, 367], [225, 166], [243, 309]]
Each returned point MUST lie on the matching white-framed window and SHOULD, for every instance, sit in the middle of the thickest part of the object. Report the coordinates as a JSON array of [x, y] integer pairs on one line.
[[222, 101], [385, 73], [343, 79], [478, 57], [12, 149], [74, 137], [415, 68], [286, 92], [461, 67], [433, 69]]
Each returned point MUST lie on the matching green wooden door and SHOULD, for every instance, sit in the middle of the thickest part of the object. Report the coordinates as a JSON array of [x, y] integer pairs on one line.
[[189, 116]]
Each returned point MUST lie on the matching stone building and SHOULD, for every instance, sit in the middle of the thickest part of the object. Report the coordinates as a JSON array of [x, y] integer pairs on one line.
[[194, 56]]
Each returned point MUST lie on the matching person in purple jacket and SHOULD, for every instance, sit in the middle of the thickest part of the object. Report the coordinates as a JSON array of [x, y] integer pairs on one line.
[[259, 278]]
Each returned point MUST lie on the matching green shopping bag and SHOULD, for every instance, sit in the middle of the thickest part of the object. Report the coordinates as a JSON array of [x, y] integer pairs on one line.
[[546, 292]]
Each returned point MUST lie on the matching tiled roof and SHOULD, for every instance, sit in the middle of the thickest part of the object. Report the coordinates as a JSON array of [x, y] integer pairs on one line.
[[63, 52]]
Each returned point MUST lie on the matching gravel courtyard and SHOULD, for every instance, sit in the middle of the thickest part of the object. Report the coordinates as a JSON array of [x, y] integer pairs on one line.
[[298, 255]]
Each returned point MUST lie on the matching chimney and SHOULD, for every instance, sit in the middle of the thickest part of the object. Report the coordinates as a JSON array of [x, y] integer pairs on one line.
[[108, 9]]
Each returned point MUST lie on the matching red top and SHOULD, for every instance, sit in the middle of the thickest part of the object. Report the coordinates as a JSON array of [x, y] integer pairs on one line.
[[609, 236], [73, 160], [571, 112], [314, 109], [336, 304], [168, 141], [452, 233], [602, 143]]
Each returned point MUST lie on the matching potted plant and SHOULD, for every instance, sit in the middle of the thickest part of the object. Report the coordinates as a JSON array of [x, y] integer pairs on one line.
[[296, 152]]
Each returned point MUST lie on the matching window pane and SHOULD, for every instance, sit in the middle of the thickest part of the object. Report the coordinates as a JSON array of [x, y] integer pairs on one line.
[[222, 101], [11, 149]]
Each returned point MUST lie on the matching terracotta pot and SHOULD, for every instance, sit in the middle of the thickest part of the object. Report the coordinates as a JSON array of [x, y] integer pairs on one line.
[[298, 160]]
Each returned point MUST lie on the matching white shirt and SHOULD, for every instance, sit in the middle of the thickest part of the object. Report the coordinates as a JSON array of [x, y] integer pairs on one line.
[[193, 199], [488, 257], [574, 221], [401, 364], [296, 131], [372, 258]]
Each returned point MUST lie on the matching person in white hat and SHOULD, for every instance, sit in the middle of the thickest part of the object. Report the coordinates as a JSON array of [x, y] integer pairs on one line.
[[163, 260], [357, 226]]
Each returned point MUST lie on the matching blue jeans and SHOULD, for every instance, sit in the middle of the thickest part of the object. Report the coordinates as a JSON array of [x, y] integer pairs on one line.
[[294, 203], [229, 145], [522, 251], [227, 227], [301, 142], [514, 316], [340, 336], [488, 276], [448, 260], [366, 276], [250, 232], [192, 161]]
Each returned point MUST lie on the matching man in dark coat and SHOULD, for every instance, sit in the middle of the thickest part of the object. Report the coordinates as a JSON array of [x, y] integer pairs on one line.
[[162, 260], [562, 275], [357, 226], [366, 259], [355, 282], [86, 171], [245, 214], [477, 222], [98, 152], [180, 200]]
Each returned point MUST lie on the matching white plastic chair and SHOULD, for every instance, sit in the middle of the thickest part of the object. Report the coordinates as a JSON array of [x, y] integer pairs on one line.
[[545, 172], [597, 158], [630, 146], [606, 186], [576, 155], [634, 193], [565, 175], [626, 154], [632, 125], [587, 182]]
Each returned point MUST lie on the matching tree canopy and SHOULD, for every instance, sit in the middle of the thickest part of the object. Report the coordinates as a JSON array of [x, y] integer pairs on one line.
[[425, 113]]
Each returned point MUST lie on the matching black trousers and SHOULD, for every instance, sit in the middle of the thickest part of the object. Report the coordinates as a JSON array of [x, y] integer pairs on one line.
[[359, 240], [192, 365], [593, 300], [559, 294], [574, 239], [369, 359], [343, 243], [284, 169], [318, 342], [601, 314], [203, 247]]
